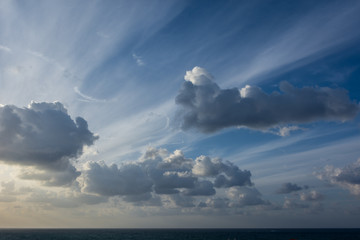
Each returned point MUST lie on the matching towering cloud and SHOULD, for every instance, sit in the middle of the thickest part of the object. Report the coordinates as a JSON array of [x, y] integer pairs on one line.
[[45, 137], [207, 107]]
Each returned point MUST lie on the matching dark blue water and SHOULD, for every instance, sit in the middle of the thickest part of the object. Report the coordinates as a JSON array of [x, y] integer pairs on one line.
[[180, 234]]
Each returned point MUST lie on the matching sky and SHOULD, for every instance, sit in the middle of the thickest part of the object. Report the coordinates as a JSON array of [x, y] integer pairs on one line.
[[165, 114]]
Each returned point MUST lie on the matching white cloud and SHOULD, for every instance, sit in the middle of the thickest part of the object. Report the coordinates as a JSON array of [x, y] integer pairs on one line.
[[139, 60], [311, 196], [198, 76], [5, 49], [347, 177]]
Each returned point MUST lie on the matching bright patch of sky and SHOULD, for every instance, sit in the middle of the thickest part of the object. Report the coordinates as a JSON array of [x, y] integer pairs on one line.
[[191, 113]]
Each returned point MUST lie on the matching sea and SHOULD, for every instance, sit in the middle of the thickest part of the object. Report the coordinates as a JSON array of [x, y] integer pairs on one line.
[[179, 234]]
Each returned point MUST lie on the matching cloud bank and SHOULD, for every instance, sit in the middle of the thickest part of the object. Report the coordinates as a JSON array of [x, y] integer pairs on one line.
[[174, 178], [208, 108], [44, 137]]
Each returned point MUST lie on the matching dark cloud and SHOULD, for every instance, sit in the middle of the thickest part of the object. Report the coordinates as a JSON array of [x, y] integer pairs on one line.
[[347, 177], [208, 108], [288, 188], [44, 136], [159, 173]]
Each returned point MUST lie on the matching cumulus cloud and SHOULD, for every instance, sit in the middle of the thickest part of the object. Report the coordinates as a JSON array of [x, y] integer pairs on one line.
[[245, 196], [201, 188], [311, 196], [227, 174], [347, 177], [209, 108], [44, 137], [171, 176], [236, 197], [105, 180], [288, 188]]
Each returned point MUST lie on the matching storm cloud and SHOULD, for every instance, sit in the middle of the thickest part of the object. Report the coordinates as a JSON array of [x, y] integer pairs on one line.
[[44, 137], [158, 173], [208, 108]]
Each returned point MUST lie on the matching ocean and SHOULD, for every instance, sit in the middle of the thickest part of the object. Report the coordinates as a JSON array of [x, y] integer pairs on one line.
[[179, 234]]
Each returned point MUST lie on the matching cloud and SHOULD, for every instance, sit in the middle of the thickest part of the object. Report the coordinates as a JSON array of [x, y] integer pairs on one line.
[[201, 188], [7, 193], [172, 176], [139, 60], [209, 108], [285, 131], [63, 199], [227, 174], [288, 188], [311, 196], [244, 196], [62, 177], [87, 98], [347, 177], [44, 137], [293, 204], [105, 180], [236, 197], [5, 48]]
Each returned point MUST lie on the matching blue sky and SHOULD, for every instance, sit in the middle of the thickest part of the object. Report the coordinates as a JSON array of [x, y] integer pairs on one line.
[[179, 113]]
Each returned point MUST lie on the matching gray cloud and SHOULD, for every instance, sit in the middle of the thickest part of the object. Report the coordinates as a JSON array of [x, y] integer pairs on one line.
[[7, 193], [66, 199], [237, 197], [44, 136], [201, 188], [244, 196], [347, 177], [111, 180], [208, 108], [293, 204], [288, 188], [227, 174], [311, 196], [159, 173]]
